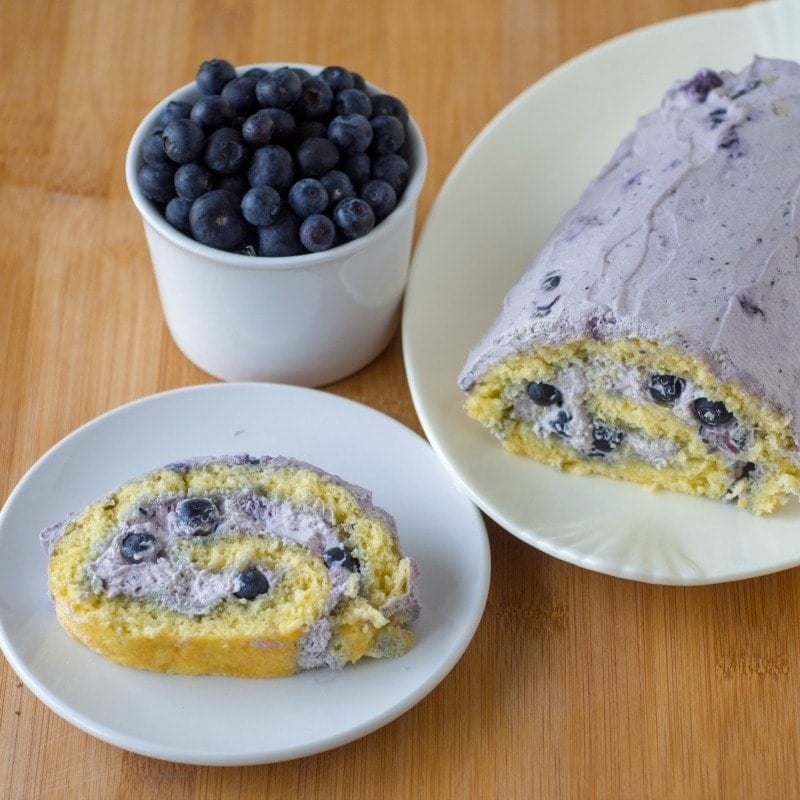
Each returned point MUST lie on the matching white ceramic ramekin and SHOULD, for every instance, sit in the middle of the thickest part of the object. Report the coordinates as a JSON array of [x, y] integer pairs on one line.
[[308, 320]]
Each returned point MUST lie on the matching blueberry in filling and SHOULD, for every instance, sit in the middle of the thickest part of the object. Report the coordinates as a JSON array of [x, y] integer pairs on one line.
[[666, 388], [544, 394], [559, 424], [199, 514], [339, 555], [138, 547], [605, 438], [252, 583], [711, 412]]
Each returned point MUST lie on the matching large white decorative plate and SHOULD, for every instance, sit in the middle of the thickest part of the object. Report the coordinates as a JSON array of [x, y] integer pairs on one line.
[[495, 210], [230, 721]]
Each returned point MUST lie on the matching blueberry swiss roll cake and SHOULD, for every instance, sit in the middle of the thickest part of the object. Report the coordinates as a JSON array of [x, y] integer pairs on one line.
[[252, 567], [656, 336]]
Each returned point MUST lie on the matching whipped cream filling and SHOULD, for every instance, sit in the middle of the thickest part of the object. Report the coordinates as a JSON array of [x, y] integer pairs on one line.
[[689, 236], [573, 423], [181, 585]]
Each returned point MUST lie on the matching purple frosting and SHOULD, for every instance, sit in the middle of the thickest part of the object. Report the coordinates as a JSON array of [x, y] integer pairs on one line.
[[689, 236]]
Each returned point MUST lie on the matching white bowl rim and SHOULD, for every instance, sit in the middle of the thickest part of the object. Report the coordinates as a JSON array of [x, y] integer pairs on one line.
[[154, 218]]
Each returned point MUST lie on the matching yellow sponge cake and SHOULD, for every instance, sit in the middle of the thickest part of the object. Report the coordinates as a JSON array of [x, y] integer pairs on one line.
[[252, 567]]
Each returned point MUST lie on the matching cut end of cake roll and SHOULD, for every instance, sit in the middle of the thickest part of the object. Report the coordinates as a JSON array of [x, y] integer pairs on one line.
[[639, 411], [654, 338], [249, 567]]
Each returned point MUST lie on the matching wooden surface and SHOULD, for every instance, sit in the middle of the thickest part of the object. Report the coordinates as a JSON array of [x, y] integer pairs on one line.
[[577, 685]]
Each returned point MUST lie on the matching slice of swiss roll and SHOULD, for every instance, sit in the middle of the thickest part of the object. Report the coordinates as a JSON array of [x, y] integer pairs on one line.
[[251, 567], [656, 336]]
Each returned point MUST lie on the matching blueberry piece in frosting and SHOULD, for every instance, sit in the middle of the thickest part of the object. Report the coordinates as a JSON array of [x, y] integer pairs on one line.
[[339, 555], [605, 438], [138, 547], [196, 516], [666, 388], [251, 583], [551, 282], [560, 423], [544, 394], [703, 82], [711, 412]]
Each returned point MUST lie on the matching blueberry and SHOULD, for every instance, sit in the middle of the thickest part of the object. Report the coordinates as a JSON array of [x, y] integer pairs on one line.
[[212, 112], [258, 72], [138, 546], [308, 196], [269, 130], [153, 149], [711, 412], [157, 182], [381, 196], [279, 88], [317, 233], [393, 169], [338, 78], [199, 515], [605, 438], [717, 117], [251, 583], [175, 109], [359, 82], [241, 93], [544, 394], [316, 156], [560, 423], [259, 128], [701, 84], [357, 167], [183, 140], [388, 134], [261, 205], [666, 388], [282, 238], [354, 217], [341, 556], [216, 220], [338, 185], [238, 183], [386, 104], [192, 180], [352, 101], [212, 75], [284, 121], [315, 100], [271, 165], [351, 132], [309, 129], [225, 151], [177, 214]]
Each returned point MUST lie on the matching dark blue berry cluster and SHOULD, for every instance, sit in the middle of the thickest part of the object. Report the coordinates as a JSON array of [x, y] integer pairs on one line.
[[277, 162]]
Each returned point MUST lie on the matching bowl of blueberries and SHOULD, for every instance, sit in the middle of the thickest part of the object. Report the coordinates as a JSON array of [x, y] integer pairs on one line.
[[278, 204]]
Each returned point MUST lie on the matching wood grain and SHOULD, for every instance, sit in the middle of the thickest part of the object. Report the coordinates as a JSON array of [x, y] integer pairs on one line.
[[576, 684]]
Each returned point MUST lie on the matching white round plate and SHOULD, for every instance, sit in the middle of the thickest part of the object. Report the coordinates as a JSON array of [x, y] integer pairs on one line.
[[493, 213], [234, 721]]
